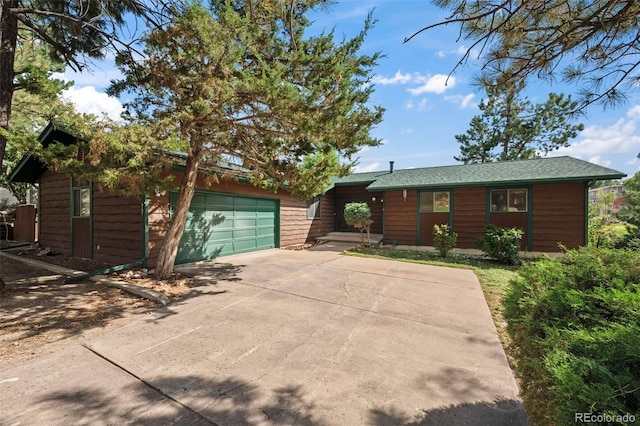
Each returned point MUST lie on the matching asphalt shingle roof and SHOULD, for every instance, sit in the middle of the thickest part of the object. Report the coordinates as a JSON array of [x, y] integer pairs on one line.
[[362, 178], [550, 169]]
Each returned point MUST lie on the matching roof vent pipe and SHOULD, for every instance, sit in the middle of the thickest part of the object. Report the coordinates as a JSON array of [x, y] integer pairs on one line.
[[390, 166]]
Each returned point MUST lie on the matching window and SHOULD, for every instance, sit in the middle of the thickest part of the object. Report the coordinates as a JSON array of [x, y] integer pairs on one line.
[[82, 202], [313, 208], [434, 202], [508, 200]]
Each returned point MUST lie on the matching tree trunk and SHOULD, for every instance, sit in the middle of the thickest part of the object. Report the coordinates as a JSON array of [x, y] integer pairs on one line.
[[169, 249], [8, 40]]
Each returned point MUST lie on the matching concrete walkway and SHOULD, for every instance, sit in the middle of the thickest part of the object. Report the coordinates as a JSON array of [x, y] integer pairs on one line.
[[287, 337]]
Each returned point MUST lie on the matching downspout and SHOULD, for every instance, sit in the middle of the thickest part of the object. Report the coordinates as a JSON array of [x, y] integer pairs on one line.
[[586, 211], [118, 268], [384, 218], [38, 216]]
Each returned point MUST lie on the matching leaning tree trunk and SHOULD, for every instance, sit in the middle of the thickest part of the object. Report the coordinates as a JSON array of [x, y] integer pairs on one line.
[[8, 40], [169, 248]]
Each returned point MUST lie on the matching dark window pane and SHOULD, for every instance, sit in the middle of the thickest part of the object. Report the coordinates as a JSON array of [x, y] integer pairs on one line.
[[518, 200], [426, 202], [499, 200]]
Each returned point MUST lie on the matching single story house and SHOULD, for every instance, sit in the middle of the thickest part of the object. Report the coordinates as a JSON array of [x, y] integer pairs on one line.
[[546, 197]]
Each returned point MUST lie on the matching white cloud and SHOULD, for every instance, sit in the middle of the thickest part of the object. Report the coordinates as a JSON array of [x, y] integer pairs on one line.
[[437, 83], [463, 101], [621, 137], [460, 51], [89, 100], [420, 106], [369, 168], [598, 160], [398, 78]]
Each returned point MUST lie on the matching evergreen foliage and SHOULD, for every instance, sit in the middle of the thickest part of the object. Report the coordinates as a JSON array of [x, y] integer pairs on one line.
[[262, 94], [575, 327], [73, 33], [630, 213], [359, 216], [34, 107], [512, 128], [590, 44]]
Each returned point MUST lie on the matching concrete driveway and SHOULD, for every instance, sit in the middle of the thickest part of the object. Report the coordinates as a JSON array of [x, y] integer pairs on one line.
[[287, 337]]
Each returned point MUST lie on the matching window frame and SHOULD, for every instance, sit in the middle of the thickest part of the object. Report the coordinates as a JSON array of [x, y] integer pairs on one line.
[[511, 202], [314, 208], [83, 206], [433, 202]]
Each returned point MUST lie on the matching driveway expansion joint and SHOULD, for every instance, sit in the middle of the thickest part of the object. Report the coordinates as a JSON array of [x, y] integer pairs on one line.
[[147, 384]]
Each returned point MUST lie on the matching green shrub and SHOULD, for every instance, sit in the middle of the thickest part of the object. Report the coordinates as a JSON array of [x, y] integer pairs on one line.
[[443, 239], [575, 329], [358, 215], [502, 244]]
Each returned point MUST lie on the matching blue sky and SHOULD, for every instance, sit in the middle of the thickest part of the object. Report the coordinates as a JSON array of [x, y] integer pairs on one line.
[[425, 107]]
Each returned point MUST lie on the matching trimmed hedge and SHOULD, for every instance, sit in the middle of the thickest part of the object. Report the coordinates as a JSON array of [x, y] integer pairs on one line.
[[575, 325]]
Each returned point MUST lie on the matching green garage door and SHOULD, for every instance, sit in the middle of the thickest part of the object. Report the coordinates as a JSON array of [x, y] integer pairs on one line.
[[223, 224]]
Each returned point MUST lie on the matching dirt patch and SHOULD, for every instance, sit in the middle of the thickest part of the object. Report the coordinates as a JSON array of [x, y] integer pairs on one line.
[[174, 288], [303, 246], [75, 263], [41, 314]]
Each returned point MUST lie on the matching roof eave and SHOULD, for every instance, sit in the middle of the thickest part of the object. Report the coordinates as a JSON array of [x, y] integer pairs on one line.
[[493, 183]]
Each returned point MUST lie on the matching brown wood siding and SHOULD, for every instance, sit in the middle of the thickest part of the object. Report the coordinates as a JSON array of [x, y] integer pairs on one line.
[[358, 193], [117, 228], [558, 216], [400, 217], [55, 219], [513, 220], [427, 222], [295, 228], [469, 215]]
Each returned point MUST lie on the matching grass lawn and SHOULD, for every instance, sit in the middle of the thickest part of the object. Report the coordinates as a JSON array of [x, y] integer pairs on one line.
[[494, 277]]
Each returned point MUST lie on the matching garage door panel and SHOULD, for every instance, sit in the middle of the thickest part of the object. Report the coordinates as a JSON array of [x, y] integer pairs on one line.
[[244, 234], [221, 199], [222, 224], [265, 242], [265, 222], [241, 223], [248, 204], [198, 199]]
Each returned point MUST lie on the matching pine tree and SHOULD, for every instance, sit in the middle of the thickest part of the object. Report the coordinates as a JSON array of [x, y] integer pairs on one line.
[[74, 32], [513, 128], [590, 44], [241, 80]]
